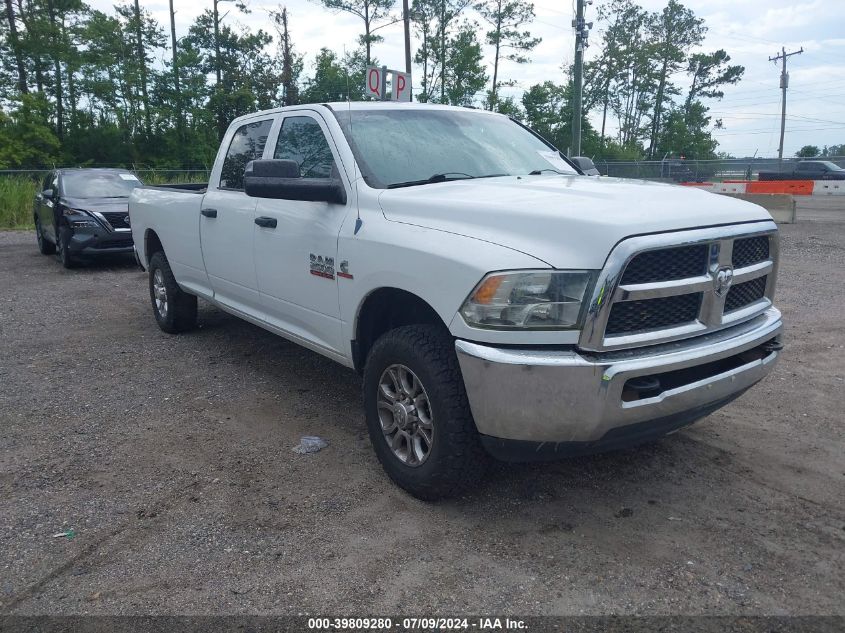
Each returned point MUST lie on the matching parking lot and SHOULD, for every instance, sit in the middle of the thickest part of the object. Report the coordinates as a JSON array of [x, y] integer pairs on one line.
[[167, 463]]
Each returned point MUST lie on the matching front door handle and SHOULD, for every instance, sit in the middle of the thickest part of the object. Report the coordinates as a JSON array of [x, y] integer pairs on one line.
[[209, 213], [268, 223]]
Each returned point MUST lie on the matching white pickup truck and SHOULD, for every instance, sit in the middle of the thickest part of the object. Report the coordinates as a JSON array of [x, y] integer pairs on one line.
[[496, 301]]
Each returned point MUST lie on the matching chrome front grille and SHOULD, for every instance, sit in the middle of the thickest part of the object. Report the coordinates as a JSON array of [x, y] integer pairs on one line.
[[659, 288]]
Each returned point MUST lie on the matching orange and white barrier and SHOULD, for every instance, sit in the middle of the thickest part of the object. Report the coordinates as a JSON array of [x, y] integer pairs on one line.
[[792, 187]]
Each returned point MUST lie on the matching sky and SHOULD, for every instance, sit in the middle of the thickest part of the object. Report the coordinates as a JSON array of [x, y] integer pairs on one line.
[[750, 31]]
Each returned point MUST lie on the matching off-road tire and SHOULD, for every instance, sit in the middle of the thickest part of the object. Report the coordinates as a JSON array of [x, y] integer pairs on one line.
[[181, 312], [456, 461], [45, 246]]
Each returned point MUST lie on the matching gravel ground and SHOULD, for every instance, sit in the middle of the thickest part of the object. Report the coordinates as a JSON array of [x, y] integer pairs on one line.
[[170, 459]]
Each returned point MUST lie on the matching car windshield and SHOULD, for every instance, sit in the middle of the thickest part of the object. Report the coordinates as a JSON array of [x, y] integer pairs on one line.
[[413, 147], [90, 184], [831, 166]]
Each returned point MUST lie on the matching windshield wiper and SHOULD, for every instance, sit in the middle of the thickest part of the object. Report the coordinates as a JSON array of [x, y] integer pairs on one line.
[[444, 177], [537, 172], [449, 175]]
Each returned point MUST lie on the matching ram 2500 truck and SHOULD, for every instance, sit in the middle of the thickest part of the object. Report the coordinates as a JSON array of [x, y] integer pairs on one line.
[[496, 301]]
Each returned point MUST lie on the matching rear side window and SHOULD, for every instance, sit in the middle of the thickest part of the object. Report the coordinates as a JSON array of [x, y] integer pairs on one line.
[[302, 140], [247, 144]]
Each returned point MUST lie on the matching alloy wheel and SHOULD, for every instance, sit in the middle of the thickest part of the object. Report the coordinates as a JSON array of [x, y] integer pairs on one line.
[[160, 293], [404, 411]]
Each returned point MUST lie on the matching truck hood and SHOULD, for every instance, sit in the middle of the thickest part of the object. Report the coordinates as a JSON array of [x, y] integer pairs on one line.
[[565, 221]]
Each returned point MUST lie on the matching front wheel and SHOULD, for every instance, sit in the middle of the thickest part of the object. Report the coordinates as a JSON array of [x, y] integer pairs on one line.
[[45, 247], [418, 415], [175, 310], [62, 240]]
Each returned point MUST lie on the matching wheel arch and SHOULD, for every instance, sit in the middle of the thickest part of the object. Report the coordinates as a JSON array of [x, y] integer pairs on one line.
[[152, 245], [384, 309]]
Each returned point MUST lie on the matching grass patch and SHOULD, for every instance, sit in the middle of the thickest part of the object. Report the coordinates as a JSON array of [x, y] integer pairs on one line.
[[17, 195]]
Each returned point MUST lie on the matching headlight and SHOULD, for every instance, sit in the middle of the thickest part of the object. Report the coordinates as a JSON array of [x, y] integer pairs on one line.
[[71, 212], [529, 300]]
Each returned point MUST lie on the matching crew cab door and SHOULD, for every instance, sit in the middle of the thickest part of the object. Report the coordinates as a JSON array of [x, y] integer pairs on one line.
[[227, 220], [295, 258]]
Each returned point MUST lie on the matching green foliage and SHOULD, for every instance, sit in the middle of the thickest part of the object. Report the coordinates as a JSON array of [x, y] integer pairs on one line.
[[335, 81], [371, 12], [87, 87], [808, 151], [16, 196], [27, 139], [506, 19]]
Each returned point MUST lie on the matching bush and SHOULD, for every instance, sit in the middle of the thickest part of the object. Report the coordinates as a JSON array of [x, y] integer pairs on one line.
[[17, 194]]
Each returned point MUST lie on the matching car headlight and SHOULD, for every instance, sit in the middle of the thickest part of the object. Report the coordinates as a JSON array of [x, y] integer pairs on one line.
[[529, 300]]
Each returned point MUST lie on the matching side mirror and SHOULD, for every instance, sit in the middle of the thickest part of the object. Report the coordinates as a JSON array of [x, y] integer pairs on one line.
[[47, 193], [586, 165], [281, 180]]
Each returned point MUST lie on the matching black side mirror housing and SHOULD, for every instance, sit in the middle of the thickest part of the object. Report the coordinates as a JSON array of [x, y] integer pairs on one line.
[[280, 179], [47, 193]]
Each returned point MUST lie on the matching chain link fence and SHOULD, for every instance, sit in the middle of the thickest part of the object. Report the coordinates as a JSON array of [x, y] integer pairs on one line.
[[678, 170]]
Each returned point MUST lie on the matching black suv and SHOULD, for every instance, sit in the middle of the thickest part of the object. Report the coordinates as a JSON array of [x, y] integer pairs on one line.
[[84, 212]]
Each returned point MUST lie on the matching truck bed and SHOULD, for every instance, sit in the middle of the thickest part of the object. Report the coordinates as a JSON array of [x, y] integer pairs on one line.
[[170, 215]]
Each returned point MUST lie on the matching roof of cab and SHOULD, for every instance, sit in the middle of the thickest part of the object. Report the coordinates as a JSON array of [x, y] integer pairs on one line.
[[340, 106]]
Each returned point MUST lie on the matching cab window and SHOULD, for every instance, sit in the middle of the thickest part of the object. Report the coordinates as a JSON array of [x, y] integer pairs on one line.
[[247, 144], [302, 140]]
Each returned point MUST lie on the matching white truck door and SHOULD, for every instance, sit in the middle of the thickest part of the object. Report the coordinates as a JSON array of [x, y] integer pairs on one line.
[[295, 261], [227, 221]]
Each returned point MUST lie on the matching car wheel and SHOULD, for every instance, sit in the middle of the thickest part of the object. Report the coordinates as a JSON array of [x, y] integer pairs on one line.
[[175, 310], [418, 415], [62, 239], [45, 247]]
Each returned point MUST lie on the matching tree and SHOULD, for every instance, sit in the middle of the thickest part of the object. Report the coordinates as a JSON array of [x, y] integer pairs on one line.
[[14, 44], [335, 82], [506, 18], [435, 22], [465, 74], [374, 13], [709, 72], [808, 151], [28, 140], [549, 112], [673, 32], [291, 62]]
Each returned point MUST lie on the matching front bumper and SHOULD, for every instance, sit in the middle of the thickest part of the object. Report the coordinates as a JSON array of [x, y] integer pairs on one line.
[[91, 242], [564, 401]]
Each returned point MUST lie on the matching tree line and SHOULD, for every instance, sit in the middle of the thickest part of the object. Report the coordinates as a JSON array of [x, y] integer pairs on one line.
[[84, 86]]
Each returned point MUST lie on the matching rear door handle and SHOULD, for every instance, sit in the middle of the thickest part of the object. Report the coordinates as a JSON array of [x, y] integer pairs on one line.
[[209, 213], [269, 223]]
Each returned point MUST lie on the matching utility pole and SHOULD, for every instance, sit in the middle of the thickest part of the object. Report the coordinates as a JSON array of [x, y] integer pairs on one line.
[[406, 18], [582, 31], [784, 84]]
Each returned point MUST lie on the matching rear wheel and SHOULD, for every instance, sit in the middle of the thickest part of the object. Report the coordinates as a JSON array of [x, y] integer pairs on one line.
[[45, 247], [418, 414], [175, 310]]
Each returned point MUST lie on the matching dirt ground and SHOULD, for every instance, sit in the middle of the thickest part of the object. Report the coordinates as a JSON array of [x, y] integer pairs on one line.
[[170, 460]]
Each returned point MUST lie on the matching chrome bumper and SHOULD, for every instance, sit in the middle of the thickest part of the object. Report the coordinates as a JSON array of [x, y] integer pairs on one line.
[[564, 396]]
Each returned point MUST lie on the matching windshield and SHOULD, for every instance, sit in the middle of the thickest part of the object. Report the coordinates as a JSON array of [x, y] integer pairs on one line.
[[89, 184], [409, 147]]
